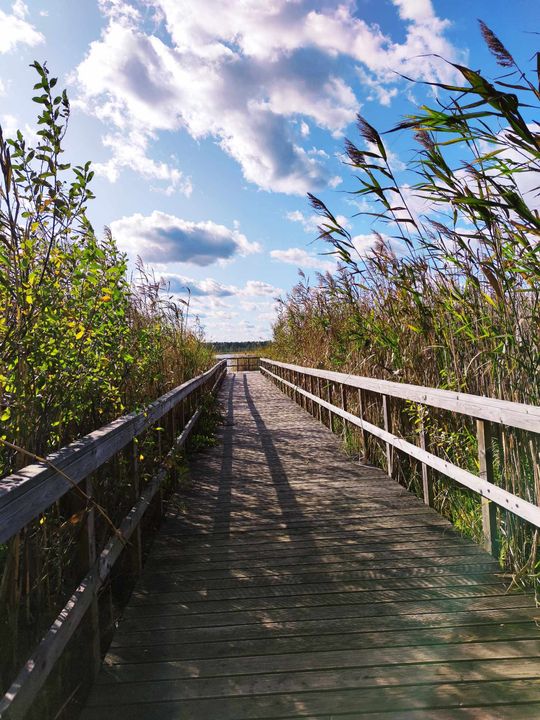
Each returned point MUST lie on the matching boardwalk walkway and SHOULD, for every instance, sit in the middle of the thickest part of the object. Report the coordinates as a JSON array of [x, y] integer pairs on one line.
[[292, 583]]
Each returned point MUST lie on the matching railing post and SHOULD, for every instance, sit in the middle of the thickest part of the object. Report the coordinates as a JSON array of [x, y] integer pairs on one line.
[[344, 407], [387, 427], [489, 509], [319, 407], [427, 485], [136, 485], [362, 415], [89, 550], [330, 416]]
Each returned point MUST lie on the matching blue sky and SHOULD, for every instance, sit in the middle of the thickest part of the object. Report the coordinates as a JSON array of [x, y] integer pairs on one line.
[[208, 121]]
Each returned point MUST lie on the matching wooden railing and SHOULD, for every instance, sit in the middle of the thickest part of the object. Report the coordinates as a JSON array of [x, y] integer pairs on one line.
[[242, 363], [72, 474], [309, 386]]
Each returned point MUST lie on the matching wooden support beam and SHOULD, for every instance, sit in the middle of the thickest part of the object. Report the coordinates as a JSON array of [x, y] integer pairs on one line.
[[427, 485], [344, 407], [361, 414], [387, 420], [489, 509], [89, 545]]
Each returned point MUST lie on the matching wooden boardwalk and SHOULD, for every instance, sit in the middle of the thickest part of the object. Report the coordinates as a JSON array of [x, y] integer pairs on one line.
[[290, 582]]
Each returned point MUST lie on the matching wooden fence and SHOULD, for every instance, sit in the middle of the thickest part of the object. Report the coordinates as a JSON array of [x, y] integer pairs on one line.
[[47, 493], [317, 391], [242, 363]]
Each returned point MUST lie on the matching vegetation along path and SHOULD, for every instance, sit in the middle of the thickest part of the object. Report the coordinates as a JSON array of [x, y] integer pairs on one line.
[[292, 582]]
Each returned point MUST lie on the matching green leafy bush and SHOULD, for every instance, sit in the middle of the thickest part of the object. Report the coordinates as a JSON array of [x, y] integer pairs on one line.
[[78, 343]]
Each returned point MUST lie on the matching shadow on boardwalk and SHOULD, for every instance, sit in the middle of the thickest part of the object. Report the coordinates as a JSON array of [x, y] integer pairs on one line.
[[297, 584]]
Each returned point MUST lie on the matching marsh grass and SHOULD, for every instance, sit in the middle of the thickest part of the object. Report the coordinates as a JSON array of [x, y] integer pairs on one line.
[[448, 299]]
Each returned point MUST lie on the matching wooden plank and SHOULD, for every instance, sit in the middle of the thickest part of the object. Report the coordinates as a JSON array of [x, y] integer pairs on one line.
[[171, 546], [320, 535], [169, 616], [457, 621], [363, 675], [323, 554], [165, 557], [160, 584], [486, 472], [365, 701], [330, 599], [155, 647]]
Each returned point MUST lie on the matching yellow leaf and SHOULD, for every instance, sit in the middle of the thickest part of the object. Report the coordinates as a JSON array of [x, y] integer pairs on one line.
[[105, 298], [79, 335]]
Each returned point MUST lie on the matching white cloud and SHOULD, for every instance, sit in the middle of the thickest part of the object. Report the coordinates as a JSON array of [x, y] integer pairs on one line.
[[251, 76], [9, 125], [255, 288], [211, 288], [416, 10], [310, 223], [15, 29], [303, 259], [136, 81], [131, 151], [163, 238], [376, 90]]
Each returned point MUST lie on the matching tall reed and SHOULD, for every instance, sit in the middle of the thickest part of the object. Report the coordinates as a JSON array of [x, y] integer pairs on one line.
[[450, 298]]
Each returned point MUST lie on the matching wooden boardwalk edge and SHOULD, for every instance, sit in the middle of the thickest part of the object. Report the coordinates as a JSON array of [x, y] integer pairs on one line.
[[291, 582]]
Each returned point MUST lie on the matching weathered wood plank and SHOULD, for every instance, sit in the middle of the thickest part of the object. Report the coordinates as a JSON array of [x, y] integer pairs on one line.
[[291, 663], [366, 701], [156, 647]]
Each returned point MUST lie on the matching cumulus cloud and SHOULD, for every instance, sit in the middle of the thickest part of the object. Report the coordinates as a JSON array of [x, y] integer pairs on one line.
[[303, 259], [15, 28], [211, 288], [310, 223], [131, 151], [163, 238], [9, 125], [251, 78]]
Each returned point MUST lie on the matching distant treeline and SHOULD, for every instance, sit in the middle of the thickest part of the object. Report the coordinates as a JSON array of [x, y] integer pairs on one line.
[[238, 347]]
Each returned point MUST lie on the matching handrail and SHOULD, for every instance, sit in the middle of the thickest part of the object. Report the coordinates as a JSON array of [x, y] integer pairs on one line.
[[518, 415], [239, 361], [28, 493], [484, 410]]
